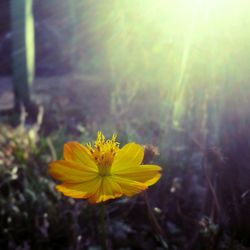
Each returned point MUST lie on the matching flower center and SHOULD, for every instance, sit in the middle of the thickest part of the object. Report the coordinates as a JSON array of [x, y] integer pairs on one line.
[[103, 152]]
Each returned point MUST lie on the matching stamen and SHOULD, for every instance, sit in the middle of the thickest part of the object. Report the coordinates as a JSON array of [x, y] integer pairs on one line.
[[103, 152]]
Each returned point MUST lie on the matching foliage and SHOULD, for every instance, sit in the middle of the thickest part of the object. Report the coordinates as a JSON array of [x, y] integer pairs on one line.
[[192, 203], [34, 215], [179, 85]]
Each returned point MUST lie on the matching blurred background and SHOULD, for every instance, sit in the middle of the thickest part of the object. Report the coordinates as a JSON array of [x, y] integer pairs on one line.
[[171, 74]]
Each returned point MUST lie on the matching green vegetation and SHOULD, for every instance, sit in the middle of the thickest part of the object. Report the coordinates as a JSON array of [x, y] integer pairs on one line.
[[172, 74], [22, 25]]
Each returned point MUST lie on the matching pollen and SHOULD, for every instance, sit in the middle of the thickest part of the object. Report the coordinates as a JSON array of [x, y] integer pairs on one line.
[[103, 152]]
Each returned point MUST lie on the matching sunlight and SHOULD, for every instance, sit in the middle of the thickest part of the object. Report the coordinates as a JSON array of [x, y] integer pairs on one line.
[[134, 131], [173, 44]]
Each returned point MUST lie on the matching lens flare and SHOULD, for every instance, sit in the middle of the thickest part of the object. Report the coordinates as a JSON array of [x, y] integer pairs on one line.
[[180, 48]]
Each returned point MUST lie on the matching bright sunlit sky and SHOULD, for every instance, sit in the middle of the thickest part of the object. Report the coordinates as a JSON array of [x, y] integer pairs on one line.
[[194, 48], [178, 45]]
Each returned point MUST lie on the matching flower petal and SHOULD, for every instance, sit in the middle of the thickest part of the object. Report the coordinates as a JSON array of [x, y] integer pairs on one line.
[[130, 155], [71, 172], [147, 174], [74, 151], [80, 190], [108, 190], [129, 187]]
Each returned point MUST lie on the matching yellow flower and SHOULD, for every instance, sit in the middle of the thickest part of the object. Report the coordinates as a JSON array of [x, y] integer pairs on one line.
[[103, 171]]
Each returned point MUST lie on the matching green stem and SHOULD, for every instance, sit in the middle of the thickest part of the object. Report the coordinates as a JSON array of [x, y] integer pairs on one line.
[[103, 228], [23, 50]]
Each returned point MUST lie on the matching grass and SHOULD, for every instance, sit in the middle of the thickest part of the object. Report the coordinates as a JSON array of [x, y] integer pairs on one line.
[[201, 202]]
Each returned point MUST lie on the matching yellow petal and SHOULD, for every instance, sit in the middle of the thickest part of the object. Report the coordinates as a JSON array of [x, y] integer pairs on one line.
[[130, 155], [129, 187], [147, 174], [71, 172], [108, 190], [74, 151], [80, 190]]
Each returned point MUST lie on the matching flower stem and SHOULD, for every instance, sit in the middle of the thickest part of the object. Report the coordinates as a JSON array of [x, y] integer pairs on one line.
[[103, 227], [154, 222]]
